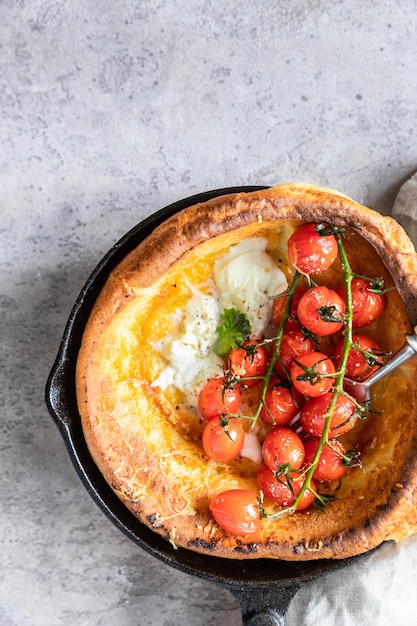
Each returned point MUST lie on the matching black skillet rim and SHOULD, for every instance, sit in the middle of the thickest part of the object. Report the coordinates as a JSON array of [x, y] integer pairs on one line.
[[61, 402]]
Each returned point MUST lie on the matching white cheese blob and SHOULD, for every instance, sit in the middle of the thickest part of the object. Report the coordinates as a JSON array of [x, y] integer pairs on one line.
[[245, 279], [252, 448], [188, 349]]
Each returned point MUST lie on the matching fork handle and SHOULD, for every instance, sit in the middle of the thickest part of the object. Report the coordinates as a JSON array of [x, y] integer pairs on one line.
[[409, 350], [412, 339]]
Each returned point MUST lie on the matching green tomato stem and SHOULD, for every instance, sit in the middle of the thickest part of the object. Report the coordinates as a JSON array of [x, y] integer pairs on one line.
[[340, 375], [277, 345]]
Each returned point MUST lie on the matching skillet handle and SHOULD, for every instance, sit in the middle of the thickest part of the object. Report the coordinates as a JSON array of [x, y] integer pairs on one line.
[[55, 395], [265, 607]]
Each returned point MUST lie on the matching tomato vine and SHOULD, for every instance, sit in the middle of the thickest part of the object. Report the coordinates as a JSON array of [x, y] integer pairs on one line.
[[348, 276], [308, 369]]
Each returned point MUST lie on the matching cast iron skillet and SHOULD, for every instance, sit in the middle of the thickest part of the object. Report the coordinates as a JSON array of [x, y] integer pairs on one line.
[[264, 588]]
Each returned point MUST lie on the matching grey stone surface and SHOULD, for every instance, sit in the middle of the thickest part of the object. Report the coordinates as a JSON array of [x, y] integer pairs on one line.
[[110, 111]]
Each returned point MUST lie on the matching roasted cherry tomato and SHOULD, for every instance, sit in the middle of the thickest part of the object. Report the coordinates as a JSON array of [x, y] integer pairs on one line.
[[294, 343], [364, 358], [282, 490], [311, 375], [309, 251], [223, 439], [313, 415], [282, 446], [237, 511], [330, 466], [321, 310], [218, 397], [251, 360], [367, 306], [282, 403], [279, 305]]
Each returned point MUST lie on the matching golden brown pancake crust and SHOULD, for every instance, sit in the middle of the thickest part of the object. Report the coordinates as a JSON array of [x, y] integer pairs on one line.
[[147, 445]]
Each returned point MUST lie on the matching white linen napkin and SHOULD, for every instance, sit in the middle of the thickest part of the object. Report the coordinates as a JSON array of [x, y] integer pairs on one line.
[[405, 208]]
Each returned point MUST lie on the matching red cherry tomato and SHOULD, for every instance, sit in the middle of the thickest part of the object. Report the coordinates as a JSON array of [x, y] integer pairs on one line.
[[282, 446], [359, 365], [366, 305], [282, 490], [330, 466], [313, 415], [281, 403], [294, 343], [310, 252], [321, 311], [249, 361], [279, 305], [217, 398], [311, 375], [236, 511], [223, 439]]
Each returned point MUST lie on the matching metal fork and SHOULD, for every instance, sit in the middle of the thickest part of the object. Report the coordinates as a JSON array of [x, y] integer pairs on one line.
[[361, 391]]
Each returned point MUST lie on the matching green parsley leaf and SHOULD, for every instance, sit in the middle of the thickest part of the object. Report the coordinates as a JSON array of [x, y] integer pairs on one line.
[[231, 332]]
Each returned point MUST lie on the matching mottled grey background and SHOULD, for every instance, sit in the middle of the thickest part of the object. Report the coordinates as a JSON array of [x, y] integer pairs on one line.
[[110, 111]]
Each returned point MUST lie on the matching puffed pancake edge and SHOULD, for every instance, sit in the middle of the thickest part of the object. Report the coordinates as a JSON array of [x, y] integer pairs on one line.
[[118, 444]]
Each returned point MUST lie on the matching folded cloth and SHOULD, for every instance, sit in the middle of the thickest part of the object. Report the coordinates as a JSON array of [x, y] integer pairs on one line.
[[378, 589], [405, 208]]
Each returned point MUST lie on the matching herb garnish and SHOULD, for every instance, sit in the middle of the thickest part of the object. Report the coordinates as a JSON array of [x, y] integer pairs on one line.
[[232, 332]]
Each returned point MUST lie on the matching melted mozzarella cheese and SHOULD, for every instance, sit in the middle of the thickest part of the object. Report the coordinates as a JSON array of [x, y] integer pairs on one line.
[[245, 278], [252, 448], [188, 349]]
